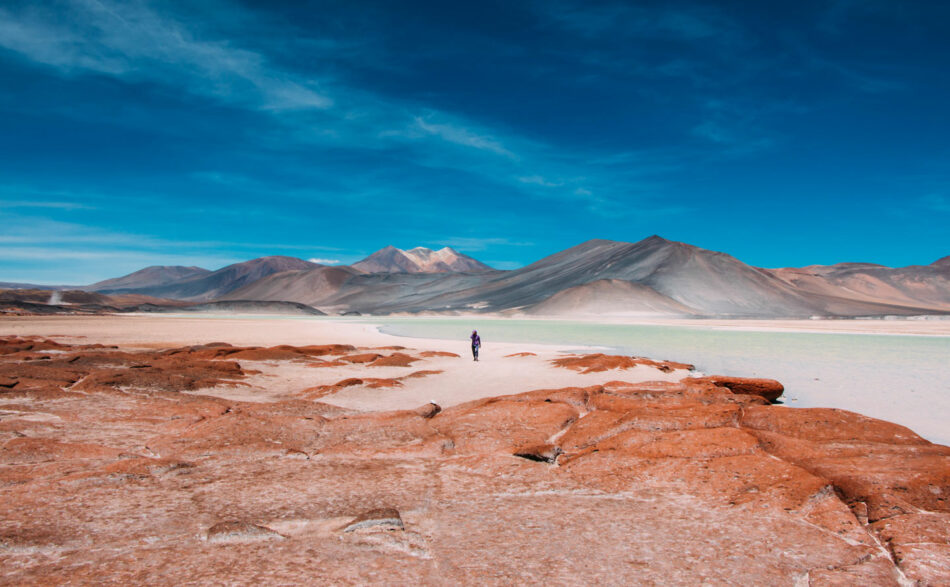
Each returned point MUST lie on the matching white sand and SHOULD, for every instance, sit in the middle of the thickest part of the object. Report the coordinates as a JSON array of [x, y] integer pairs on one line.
[[912, 402], [461, 380]]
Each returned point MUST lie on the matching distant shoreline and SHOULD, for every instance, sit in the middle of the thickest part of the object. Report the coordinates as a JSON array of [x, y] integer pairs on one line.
[[937, 326]]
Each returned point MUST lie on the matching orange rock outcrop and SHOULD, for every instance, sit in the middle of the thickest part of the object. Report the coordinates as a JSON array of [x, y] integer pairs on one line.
[[600, 362], [108, 474]]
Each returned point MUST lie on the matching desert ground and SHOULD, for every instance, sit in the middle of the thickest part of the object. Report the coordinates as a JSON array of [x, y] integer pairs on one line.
[[167, 450]]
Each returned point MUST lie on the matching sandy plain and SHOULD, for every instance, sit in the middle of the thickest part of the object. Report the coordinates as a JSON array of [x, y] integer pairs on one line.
[[159, 462], [457, 381]]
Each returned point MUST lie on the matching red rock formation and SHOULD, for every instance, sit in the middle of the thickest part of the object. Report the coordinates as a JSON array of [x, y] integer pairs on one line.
[[770, 389], [128, 481], [394, 360], [600, 362], [220, 350], [361, 358]]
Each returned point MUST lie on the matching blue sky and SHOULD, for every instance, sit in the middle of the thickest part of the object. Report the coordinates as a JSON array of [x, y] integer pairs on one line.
[[786, 134]]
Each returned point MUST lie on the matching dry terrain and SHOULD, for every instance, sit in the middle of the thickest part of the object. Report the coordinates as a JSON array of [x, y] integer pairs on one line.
[[180, 451]]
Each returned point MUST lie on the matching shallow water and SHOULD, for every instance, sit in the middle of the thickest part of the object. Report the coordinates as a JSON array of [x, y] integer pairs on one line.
[[902, 379]]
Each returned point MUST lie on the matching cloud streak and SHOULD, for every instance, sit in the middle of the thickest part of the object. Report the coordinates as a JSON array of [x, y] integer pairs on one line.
[[131, 41], [41, 204], [138, 43], [463, 136]]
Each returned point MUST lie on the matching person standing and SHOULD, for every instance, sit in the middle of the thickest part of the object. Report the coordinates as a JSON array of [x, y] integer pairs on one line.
[[476, 344]]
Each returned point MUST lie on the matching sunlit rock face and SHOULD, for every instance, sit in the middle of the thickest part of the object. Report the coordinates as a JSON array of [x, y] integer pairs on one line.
[[111, 472]]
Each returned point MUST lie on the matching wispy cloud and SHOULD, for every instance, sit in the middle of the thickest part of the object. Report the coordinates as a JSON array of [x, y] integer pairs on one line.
[[464, 136], [538, 180], [31, 232], [64, 265], [324, 261], [132, 41], [43, 204], [139, 258], [137, 42]]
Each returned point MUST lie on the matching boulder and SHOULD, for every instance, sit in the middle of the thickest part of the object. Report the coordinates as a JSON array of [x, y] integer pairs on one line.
[[769, 389]]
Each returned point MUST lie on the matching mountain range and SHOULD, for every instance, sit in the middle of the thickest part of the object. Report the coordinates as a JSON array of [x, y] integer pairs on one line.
[[654, 276]]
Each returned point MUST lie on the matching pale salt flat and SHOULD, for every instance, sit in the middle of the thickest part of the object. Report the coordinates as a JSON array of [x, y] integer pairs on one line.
[[893, 370]]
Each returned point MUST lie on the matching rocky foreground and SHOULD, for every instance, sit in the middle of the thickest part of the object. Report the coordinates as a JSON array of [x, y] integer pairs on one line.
[[111, 472]]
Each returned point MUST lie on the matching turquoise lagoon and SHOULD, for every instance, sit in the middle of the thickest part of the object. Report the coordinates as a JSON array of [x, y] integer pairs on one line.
[[899, 378]]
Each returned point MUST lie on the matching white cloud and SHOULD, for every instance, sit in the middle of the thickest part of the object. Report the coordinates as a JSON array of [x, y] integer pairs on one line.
[[538, 180], [135, 41], [324, 261], [132, 41], [464, 136], [40, 204]]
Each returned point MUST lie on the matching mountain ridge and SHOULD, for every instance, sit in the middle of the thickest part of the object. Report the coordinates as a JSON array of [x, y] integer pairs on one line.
[[598, 276], [207, 286], [420, 260], [655, 275], [153, 276]]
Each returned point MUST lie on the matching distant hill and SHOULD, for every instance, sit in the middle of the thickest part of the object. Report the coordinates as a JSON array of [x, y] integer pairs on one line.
[[420, 260], [654, 276], [154, 276], [37, 301], [662, 276], [213, 284], [307, 286], [709, 282], [688, 279], [236, 307], [57, 297], [343, 289], [923, 286], [610, 297]]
